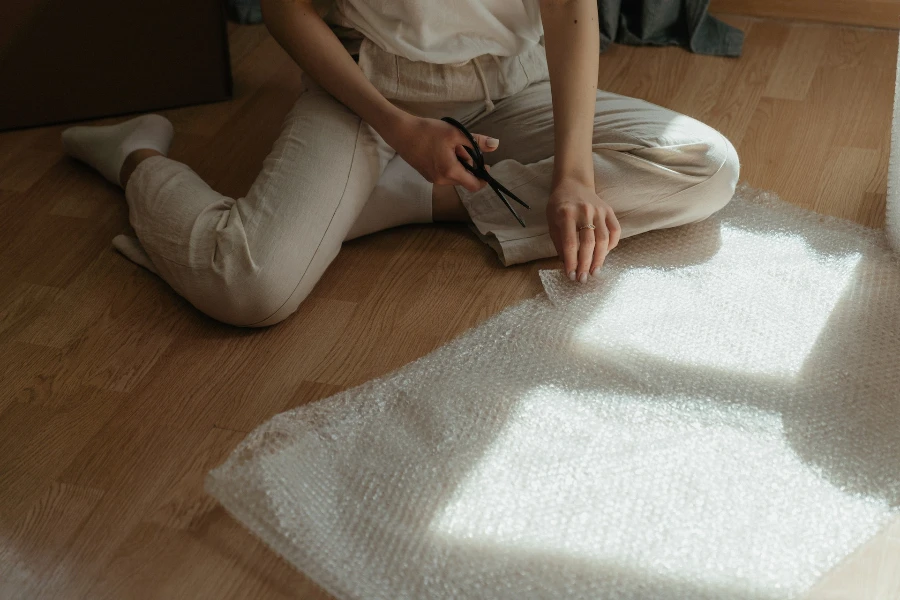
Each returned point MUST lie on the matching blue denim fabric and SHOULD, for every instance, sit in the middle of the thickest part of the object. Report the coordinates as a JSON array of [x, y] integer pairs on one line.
[[244, 11]]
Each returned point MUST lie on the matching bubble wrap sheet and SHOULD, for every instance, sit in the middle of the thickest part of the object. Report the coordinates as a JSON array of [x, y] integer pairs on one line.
[[716, 416]]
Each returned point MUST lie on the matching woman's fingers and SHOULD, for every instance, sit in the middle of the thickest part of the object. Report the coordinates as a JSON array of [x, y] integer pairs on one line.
[[602, 239], [568, 240], [462, 155], [486, 143], [586, 245], [615, 230], [458, 175]]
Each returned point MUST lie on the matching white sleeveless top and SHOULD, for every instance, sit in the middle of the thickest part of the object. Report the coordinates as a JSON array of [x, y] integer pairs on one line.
[[444, 31]]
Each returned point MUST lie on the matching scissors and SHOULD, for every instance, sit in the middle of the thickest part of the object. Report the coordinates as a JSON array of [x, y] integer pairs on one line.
[[478, 170]]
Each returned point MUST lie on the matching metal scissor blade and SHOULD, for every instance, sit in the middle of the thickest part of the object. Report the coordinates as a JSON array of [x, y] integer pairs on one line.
[[508, 205], [481, 172], [508, 193]]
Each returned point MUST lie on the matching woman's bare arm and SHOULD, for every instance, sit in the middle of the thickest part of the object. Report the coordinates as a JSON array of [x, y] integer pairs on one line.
[[572, 40], [311, 43]]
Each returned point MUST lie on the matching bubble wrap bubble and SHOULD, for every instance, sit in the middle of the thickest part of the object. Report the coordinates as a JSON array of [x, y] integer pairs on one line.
[[716, 416], [892, 224]]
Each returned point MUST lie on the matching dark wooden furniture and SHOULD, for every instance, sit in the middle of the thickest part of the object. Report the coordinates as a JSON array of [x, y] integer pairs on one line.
[[64, 61]]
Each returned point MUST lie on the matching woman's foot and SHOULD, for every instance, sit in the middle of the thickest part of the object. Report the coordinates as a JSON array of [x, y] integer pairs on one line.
[[106, 148]]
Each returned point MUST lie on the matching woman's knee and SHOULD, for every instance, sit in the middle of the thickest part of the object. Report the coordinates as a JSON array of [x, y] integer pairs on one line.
[[717, 189], [255, 300], [726, 179]]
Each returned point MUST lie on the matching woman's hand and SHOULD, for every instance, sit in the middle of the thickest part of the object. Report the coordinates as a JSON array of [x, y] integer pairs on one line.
[[432, 146], [572, 206]]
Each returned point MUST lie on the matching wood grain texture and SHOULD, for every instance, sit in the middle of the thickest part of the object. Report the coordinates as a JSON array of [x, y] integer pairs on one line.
[[866, 13], [117, 396]]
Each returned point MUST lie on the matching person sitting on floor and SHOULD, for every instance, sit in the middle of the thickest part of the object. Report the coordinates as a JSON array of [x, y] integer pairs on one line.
[[364, 149]]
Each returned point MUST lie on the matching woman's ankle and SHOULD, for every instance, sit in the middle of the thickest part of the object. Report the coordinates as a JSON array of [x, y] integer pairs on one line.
[[133, 160]]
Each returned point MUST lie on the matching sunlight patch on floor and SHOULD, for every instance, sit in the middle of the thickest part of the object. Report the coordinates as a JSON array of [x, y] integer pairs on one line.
[[697, 491], [779, 322]]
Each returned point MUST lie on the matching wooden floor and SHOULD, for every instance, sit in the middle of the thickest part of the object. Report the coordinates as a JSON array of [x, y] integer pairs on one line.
[[870, 13], [118, 396]]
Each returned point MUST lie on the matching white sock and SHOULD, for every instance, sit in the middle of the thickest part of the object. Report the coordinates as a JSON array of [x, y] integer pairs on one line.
[[105, 148], [402, 196]]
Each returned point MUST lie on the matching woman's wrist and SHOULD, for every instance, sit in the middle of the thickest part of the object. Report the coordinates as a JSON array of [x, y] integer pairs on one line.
[[575, 175], [391, 123]]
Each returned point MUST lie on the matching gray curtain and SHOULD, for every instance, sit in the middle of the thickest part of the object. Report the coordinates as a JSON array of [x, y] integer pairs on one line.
[[665, 23]]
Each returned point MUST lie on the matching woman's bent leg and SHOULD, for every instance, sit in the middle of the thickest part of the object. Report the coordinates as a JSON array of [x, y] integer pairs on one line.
[[655, 168], [402, 196], [252, 261]]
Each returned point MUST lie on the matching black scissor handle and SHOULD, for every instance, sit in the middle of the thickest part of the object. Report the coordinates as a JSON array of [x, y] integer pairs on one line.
[[478, 170], [474, 151]]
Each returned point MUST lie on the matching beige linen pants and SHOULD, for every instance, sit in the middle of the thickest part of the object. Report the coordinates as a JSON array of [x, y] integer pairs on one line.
[[251, 261]]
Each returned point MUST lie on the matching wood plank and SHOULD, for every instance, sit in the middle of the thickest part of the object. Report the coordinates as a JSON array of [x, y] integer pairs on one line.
[[271, 386], [705, 86], [178, 534], [22, 305], [184, 504], [798, 63], [789, 142], [32, 374], [51, 249], [135, 464], [652, 74], [218, 560], [26, 155], [867, 13], [34, 544], [733, 111], [848, 174], [40, 441], [865, 86], [19, 171]]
